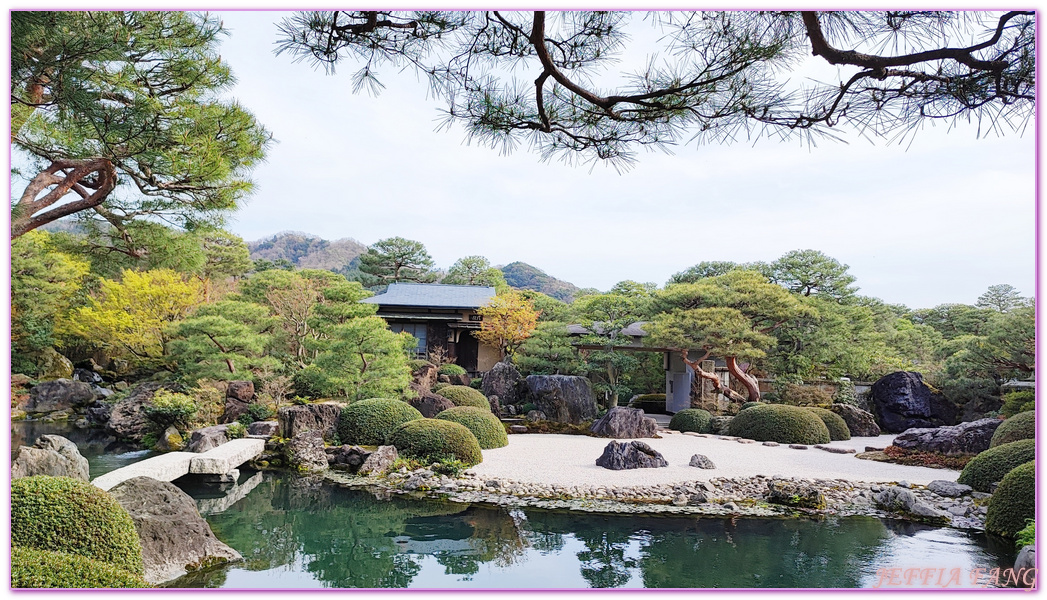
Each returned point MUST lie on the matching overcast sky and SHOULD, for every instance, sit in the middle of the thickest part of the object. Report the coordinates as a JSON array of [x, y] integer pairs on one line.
[[933, 222]]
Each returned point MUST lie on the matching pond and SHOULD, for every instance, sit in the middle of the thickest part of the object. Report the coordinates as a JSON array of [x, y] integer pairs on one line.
[[301, 532]]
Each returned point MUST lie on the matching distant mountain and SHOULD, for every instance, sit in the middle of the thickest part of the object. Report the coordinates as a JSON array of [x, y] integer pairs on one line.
[[308, 251], [524, 276]]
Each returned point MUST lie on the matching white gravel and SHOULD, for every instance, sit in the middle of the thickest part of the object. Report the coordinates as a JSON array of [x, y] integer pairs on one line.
[[571, 460]]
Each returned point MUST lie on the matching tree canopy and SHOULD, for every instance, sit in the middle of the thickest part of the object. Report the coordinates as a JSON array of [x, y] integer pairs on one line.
[[396, 259], [103, 100], [538, 78]]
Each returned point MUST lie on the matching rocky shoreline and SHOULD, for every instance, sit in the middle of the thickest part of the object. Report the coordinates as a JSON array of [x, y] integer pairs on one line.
[[722, 497]]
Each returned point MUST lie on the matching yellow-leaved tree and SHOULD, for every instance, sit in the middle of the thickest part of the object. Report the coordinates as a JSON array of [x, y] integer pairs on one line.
[[508, 320], [130, 317]]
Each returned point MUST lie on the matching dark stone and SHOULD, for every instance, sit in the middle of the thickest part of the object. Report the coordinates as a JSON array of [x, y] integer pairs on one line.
[[949, 489], [902, 401], [443, 379], [86, 376], [504, 381], [563, 398], [98, 413], [207, 438], [797, 446], [900, 500], [58, 395], [347, 457], [462, 379], [380, 461], [174, 537], [266, 428], [508, 409], [701, 461], [305, 451], [425, 377], [720, 425], [835, 449], [630, 455], [322, 417], [430, 404], [965, 438], [535, 415], [518, 428], [621, 422], [1025, 567], [127, 419], [233, 409], [789, 493], [496, 405], [859, 422], [240, 390], [51, 455]]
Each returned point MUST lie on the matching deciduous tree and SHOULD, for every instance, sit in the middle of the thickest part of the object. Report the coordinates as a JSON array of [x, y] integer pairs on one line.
[[508, 320]]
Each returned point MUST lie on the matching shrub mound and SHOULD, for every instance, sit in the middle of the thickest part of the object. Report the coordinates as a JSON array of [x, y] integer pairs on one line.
[[805, 395], [1021, 426], [417, 364], [780, 423], [435, 439], [463, 395], [451, 370], [69, 515], [1016, 402], [369, 422], [440, 386], [36, 568], [1013, 502], [691, 419], [489, 431], [649, 403], [833, 422], [746, 405], [989, 466]]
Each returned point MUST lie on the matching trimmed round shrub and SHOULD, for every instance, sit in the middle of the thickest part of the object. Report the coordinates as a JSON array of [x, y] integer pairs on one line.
[[1021, 426], [489, 431], [989, 466], [1015, 402], [805, 395], [833, 422], [369, 422], [780, 423], [36, 568], [434, 439], [440, 386], [417, 363], [691, 419], [649, 403], [746, 405], [451, 370], [1013, 502], [69, 515], [463, 395]]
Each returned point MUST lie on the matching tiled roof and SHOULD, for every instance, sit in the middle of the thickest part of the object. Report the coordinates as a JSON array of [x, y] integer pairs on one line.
[[435, 295]]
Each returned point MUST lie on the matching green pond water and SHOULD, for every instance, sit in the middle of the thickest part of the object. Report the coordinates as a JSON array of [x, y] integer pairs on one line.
[[297, 532]]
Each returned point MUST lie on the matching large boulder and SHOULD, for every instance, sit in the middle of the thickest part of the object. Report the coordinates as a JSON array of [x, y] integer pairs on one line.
[[965, 438], [53, 365], [322, 417], [266, 428], [51, 455], [430, 404], [207, 438], [380, 461], [240, 390], [630, 455], [60, 394], [902, 401], [621, 422], [794, 494], [503, 380], [424, 376], [233, 409], [900, 500], [174, 537], [87, 376], [346, 457], [305, 451], [127, 420], [563, 398], [859, 422]]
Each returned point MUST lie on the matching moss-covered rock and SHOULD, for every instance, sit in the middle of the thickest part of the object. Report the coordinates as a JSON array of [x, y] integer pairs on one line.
[[1013, 502], [691, 419], [433, 439], [463, 395], [833, 422], [1021, 426], [990, 466], [489, 431], [36, 568], [780, 423], [69, 515], [369, 422]]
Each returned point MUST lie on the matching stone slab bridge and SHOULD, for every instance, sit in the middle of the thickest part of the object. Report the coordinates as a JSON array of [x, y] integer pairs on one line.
[[172, 465]]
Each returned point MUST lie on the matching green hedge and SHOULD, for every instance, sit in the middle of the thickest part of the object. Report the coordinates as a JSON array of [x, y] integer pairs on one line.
[[691, 419], [989, 466], [451, 370], [69, 515], [1021, 426], [433, 439], [1013, 502], [463, 395], [649, 403], [833, 422], [36, 568], [369, 422], [416, 364], [489, 431], [780, 423], [746, 405], [1016, 402], [439, 386]]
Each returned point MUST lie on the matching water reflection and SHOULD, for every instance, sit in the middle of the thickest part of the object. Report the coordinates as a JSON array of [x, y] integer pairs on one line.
[[300, 532], [102, 451]]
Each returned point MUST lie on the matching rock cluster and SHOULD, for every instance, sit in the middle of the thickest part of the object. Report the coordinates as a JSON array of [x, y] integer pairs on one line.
[[563, 398], [321, 417], [627, 423], [630, 455], [965, 438], [51, 455]]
